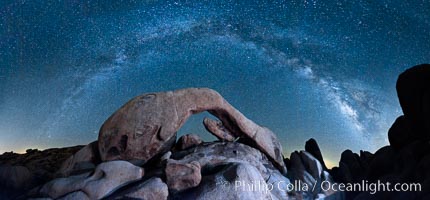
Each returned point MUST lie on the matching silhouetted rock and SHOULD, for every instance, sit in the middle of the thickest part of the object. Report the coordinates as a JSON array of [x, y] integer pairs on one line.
[[146, 126], [15, 177], [413, 90], [26, 171], [312, 147], [352, 161], [188, 140], [400, 133], [365, 159]]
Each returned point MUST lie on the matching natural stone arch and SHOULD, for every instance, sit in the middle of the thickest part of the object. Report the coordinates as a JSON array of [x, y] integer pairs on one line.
[[146, 125]]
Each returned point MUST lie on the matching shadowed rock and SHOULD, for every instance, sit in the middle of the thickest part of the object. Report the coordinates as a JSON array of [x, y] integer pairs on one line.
[[400, 133], [82, 161], [146, 126], [312, 147], [15, 177], [413, 90]]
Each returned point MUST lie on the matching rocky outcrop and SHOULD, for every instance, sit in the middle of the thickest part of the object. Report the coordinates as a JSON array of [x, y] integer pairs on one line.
[[146, 126]]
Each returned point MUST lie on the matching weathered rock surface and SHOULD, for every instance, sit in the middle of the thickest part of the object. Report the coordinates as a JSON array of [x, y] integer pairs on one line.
[[82, 161], [182, 176], [152, 189], [107, 177], [187, 141], [146, 126], [234, 181], [214, 158], [218, 130], [75, 195], [209, 155]]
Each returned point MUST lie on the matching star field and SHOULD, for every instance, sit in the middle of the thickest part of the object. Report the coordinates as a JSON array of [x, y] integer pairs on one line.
[[309, 68]]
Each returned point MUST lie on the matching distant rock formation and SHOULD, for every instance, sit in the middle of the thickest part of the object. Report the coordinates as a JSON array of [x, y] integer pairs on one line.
[[21, 172], [305, 168]]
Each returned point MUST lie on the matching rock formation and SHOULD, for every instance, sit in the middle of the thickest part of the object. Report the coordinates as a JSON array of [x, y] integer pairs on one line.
[[406, 159], [304, 168], [146, 126]]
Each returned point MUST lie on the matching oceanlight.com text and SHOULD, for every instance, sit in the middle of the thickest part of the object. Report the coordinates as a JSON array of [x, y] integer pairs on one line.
[[299, 186]]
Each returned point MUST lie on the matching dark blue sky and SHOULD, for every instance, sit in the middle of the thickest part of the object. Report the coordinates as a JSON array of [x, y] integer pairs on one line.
[[309, 68]]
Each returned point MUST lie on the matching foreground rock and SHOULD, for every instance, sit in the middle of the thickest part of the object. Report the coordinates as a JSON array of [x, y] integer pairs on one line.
[[107, 177], [146, 126]]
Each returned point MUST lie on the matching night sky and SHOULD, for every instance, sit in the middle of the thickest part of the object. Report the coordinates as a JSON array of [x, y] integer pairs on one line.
[[308, 68]]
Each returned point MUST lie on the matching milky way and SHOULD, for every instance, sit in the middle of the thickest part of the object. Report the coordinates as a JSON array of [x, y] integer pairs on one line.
[[304, 69]]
